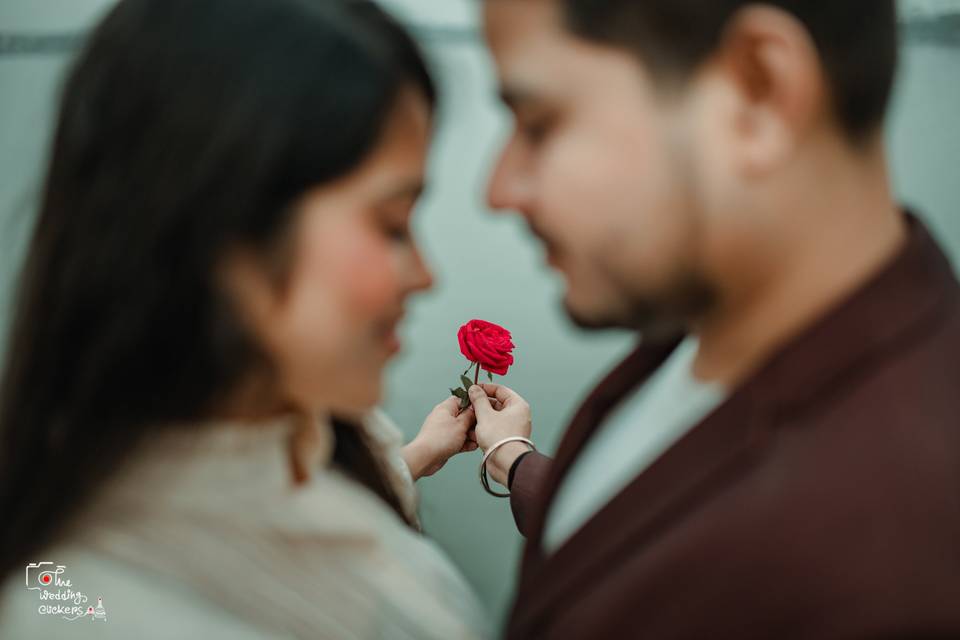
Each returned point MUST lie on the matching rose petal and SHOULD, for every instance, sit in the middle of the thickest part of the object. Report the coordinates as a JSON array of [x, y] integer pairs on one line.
[[464, 347], [500, 371], [486, 353]]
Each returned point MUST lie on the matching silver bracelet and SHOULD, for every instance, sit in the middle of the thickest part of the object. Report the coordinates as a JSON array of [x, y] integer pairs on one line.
[[486, 456]]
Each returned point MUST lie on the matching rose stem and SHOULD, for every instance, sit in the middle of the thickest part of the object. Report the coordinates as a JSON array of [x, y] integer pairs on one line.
[[476, 374]]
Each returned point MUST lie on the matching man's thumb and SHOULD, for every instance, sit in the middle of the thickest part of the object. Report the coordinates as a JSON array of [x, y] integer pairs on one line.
[[481, 403]]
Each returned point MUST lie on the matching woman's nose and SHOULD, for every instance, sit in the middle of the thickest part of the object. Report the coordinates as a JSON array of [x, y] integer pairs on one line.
[[420, 278]]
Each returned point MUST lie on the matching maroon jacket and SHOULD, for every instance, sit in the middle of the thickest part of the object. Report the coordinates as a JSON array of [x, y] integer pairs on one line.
[[822, 500]]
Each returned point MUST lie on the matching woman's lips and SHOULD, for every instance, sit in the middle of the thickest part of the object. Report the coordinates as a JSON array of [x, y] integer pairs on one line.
[[392, 342]]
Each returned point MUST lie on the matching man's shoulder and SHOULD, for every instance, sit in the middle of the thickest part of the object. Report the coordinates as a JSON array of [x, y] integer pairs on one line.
[[911, 381], [882, 439]]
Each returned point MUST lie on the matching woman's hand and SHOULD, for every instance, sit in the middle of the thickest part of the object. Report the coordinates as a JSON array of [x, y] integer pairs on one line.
[[500, 413], [445, 433]]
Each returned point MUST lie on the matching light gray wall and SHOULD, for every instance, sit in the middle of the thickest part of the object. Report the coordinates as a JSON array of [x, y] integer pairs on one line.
[[486, 267]]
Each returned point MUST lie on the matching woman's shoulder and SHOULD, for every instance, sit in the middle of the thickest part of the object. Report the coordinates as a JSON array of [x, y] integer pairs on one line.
[[387, 439], [96, 596]]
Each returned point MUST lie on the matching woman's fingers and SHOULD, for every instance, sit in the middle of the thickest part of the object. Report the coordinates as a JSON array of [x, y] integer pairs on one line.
[[449, 406], [467, 420]]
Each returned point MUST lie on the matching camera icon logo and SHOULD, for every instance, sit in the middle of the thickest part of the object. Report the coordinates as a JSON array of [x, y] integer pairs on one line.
[[39, 575]]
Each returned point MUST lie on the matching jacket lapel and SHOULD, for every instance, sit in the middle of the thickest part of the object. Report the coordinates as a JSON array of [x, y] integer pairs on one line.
[[716, 451], [629, 374]]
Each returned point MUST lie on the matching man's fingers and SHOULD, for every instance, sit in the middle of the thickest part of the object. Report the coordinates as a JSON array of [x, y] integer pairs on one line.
[[501, 392], [481, 403]]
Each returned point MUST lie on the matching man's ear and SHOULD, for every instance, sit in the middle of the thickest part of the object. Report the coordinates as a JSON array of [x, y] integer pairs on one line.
[[780, 87]]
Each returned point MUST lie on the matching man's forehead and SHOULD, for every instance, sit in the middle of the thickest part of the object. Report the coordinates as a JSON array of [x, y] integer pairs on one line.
[[527, 45], [541, 64], [510, 24]]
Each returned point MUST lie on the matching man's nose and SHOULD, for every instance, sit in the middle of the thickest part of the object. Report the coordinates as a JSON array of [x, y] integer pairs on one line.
[[511, 185]]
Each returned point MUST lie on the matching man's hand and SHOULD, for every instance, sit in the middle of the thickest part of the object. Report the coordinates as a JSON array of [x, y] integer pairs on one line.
[[500, 413], [445, 433]]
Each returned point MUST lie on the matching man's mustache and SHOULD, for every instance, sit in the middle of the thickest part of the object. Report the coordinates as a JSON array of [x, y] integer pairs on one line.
[[547, 242]]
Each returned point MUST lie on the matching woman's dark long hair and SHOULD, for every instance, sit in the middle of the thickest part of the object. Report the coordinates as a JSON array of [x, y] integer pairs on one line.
[[186, 128]]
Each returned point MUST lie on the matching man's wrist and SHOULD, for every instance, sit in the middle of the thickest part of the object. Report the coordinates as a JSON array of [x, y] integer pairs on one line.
[[498, 466], [513, 468]]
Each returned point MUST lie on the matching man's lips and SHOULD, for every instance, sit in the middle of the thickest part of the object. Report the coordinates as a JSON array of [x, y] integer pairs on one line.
[[549, 246], [551, 253], [389, 331]]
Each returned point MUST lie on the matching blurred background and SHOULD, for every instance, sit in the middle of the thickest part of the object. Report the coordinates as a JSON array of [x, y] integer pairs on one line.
[[486, 266]]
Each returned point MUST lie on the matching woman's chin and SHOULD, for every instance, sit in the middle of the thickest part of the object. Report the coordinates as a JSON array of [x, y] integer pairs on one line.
[[357, 401], [391, 344]]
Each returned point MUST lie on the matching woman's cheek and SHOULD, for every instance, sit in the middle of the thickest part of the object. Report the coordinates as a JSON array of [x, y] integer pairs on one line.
[[367, 291], [343, 290], [371, 293], [352, 262]]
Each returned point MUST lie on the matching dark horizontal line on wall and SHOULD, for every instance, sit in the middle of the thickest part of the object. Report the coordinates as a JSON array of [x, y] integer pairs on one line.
[[59, 43], [943, 29], [446, 34], [17, 44]]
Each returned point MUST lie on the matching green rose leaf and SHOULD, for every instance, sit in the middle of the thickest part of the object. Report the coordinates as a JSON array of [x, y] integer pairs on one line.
[[489, 376], [466, 382], [460, 393]]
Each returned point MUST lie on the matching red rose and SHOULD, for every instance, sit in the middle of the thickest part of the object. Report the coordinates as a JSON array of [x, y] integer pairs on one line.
[[487, 344]]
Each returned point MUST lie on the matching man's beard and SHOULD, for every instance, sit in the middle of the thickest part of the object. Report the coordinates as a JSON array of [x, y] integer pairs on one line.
[[657, 318]]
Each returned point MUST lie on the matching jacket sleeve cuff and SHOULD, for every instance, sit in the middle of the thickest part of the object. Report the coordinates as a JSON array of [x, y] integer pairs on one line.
[[529, 473]]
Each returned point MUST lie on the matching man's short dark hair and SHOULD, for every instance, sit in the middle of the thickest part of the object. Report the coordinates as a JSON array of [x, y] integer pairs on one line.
[[856, 39]]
